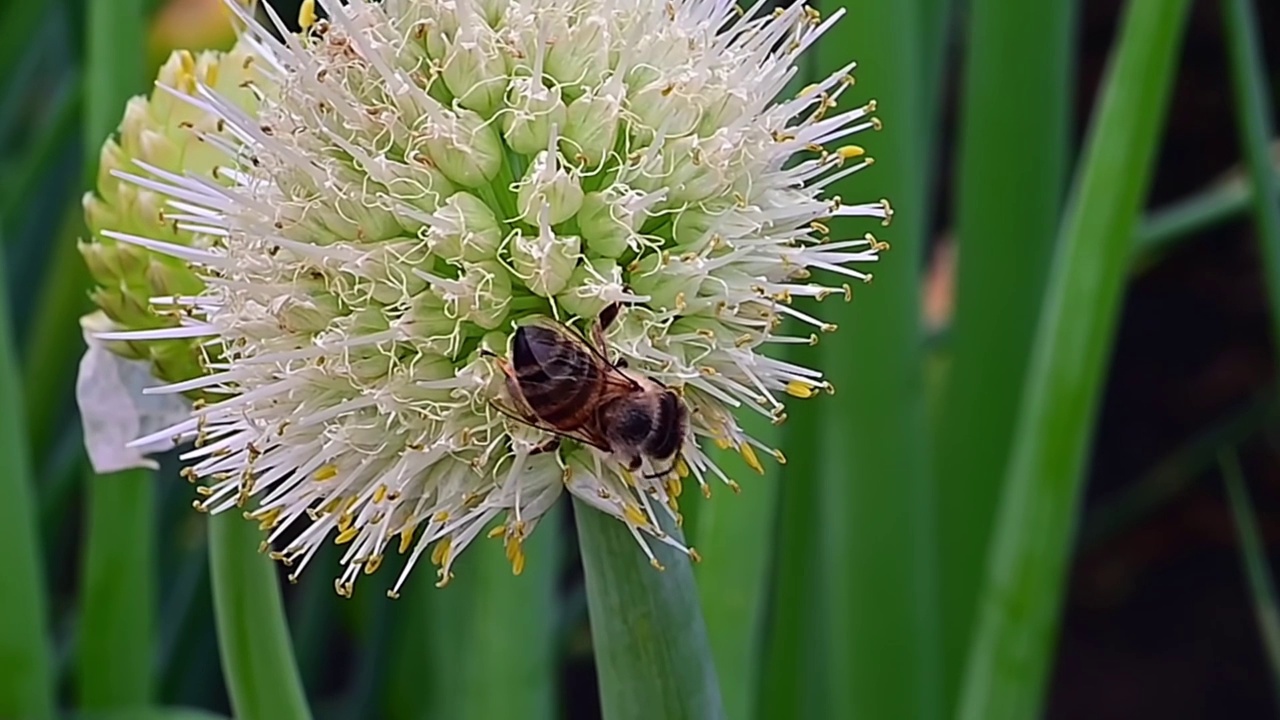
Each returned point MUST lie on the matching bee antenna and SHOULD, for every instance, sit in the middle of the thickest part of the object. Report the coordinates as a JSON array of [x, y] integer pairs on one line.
[[486, 352]]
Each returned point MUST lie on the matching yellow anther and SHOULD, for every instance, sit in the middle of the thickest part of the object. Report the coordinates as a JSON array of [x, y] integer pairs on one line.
[[372, 564], [782, 459], [325, 472], [498, 531], [821, 228], [807, 90], [380, 493], [444, 579], [204, 490], [269, 519], [307, 14], [706, 491], [344, 522], [734, 486], [682, 468], [722, 443], [848, 152], [694, 556], [441, 517], [674, 488], [800, 389], [406, 538], [440, 552], [657, 565], [635, 516], [347, 536], [749, 455]]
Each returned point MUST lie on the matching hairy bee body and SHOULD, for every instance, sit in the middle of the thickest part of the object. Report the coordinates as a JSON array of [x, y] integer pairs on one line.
[[563, 385]]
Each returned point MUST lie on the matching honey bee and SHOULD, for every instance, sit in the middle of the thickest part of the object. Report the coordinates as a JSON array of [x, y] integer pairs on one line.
[[563, 384]]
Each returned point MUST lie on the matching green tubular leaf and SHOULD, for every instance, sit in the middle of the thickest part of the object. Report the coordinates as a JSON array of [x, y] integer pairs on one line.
[[1256, 129], [253, 636], [1253, 556], [1018, 609], [26, 684], [794, 672], [116, 635], [876, 494], [734, 536], [1013, 144], [651, 650], [490, 629]]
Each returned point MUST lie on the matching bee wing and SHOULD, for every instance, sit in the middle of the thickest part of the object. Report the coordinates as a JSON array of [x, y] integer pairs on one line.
[[583, 435], [571, 334]]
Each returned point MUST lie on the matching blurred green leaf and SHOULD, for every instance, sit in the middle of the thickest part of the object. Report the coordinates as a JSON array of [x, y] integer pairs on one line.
[[489, 628], [26, 689], [1018, 610], [735, 536], [651, 650], [253, 636], [1169, 477], [1163, 227], [1256, 130], [1013, 144], [150, 713], [794, 672], [116, 648], [1253, 556], [876, 497]]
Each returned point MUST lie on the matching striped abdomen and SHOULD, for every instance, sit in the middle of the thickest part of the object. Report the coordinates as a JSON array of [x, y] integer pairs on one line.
[[557, 378]]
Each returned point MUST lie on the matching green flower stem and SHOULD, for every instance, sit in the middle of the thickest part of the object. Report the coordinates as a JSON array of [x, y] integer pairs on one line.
[[652, 655], [1256, 129], [489, 627], [876, 502], [732, 535], [1013, 144], [253, 635], [118, 585], [1253, 555], [1018, 611], [26, 683]]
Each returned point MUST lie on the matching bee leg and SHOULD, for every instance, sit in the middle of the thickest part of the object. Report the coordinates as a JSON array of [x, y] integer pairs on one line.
[[602, 323], [634, 463]]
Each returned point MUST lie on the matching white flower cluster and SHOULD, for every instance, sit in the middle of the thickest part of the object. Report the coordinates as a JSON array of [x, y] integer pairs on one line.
[[425, 174]]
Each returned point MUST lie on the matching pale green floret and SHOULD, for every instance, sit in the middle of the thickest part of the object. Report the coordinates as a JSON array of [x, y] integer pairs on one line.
[[464, 227], [547, 186], [162, 132]]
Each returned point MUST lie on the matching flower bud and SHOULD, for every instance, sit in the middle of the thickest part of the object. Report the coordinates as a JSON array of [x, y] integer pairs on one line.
[[545, 262], [465, 228], [137, 117], [535, 109], [98, 215], [474, 70], [670, 282], [547, 185], [593, 285], [174, 360], [610, 218], [167, 277], [110, 159], [465, 148], [307, 313], [580, 56], [591, 128]]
